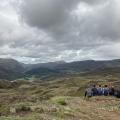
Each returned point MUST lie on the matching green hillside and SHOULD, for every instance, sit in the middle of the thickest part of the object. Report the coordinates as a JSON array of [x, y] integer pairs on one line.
[[59, 99]]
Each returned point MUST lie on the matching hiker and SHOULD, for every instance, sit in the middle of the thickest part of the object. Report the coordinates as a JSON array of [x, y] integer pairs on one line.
[[117, 93], [111, 91], [105, 90], [100, 90], [94, 90], [88, 92]]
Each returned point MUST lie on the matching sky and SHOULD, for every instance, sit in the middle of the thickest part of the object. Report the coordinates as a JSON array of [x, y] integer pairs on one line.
[[37, 31]]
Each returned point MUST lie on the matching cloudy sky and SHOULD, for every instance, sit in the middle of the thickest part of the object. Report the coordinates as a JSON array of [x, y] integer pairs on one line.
[[33, 31]]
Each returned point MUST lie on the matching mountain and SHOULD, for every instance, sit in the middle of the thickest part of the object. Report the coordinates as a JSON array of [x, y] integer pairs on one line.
[[88, 65], [50, 65], [78, 66], [62, 69], [10, 69]]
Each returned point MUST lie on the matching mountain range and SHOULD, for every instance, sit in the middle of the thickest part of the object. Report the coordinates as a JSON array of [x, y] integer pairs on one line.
[[11, 69]]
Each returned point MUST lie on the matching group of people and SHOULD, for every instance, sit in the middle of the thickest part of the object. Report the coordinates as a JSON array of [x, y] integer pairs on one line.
[[101, 91]]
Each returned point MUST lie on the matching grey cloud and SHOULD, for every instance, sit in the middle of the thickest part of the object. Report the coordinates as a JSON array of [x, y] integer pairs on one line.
[[54, 17], [49, 13], [50, 30], [104, 23]]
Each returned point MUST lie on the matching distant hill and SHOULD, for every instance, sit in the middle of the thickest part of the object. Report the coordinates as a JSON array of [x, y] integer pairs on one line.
[[89, 65], [78, 66], [53, 69], [113, 71], [11, 69], [50, 65], [42, 73]]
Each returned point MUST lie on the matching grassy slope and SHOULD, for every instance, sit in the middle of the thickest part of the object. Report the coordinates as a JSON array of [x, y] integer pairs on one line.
[[76, 108], [40, 100]]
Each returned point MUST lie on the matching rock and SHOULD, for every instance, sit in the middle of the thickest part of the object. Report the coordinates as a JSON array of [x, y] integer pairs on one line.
[[12, 110]]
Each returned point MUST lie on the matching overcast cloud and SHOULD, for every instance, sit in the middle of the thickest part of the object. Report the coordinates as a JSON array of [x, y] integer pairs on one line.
[[33, 31]]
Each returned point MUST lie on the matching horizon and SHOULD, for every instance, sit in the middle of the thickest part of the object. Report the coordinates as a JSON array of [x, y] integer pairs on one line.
[[37, 31], [60, 61]]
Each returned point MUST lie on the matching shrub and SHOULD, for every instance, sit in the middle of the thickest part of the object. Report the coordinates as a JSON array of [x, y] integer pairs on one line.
[[23, 108], [4, 110], [60, 100]]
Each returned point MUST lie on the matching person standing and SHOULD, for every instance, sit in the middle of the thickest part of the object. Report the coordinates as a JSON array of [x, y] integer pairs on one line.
[[105, 90], [112, 91], [100, 90], [88, 92], [94, 90], [117, 93]]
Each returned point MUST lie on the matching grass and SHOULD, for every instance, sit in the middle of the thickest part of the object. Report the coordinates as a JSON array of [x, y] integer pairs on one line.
[[22, 107], [4, 110], [60, 99]]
